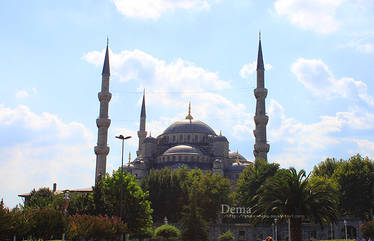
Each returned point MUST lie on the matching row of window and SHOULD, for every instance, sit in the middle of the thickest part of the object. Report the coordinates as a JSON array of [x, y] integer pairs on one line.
[[189, 158]]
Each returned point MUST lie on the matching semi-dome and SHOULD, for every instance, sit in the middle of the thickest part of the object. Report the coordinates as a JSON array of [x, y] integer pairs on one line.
[[149, 139], [234, 155], [182, 149], [189, 126]]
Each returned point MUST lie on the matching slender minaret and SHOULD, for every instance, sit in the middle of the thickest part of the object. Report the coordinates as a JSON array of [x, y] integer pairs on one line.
[[142, 133], [103, 122], [261, 148]]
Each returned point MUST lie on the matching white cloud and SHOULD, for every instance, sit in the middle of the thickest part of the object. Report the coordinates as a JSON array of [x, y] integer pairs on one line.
[[249, 68], [297, 142], [153, 9], [172, 85], [40, 149], [359, 46], [21, 94], [315, 75], [317, 15]]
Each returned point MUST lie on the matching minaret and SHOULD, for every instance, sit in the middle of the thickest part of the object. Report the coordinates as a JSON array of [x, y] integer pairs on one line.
[[103, 122], [142, 133], [261, 148]]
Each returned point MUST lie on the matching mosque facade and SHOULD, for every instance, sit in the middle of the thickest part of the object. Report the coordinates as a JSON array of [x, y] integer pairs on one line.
[[186, 143]]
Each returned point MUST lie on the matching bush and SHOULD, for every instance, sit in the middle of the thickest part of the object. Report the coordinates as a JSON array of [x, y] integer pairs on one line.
[[367, 230], [95, 227], [167, 232], [227, 236]]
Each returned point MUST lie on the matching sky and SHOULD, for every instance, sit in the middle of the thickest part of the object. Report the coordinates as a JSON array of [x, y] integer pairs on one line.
[[319, 71]]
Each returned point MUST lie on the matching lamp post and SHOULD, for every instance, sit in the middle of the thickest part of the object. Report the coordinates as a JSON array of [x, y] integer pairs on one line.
[[345, 228], [66, 204], [276, 229], [121, 137]]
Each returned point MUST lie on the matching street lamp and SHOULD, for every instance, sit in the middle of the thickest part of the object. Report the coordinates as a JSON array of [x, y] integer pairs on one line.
[[345, 227], [276, 230], [121, 137]]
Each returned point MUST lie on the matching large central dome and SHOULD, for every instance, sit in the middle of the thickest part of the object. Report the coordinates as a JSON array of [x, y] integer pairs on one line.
[[189, 126]]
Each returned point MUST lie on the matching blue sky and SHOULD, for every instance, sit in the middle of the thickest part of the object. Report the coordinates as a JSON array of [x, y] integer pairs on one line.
[[318, 56]]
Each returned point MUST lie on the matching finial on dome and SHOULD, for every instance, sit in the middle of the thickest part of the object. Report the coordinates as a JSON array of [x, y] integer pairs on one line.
[[150, 134], [129, 157], [237, 156], [189, 116], [220, 132]]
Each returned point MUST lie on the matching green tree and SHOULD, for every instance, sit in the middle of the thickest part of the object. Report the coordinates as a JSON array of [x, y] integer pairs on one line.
[[356, 186], [251, 179], [194, 227], [5, 222], [166, 193], [226, 236], [213, 190], [326, 168], [46, 223], [167, 232], [41, 198], [289, 193], [136, 208]]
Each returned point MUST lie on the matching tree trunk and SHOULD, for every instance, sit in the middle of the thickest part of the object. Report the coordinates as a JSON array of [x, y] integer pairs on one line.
[[296, 229]]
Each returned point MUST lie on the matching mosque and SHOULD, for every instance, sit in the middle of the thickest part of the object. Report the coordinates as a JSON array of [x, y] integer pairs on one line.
[[190, 143]]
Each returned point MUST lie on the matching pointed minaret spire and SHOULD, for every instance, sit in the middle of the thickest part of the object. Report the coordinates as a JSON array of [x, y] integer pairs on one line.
[[142, 134], [103, 122], [189, 116], [260, 61], [106, 68], [261, 148]]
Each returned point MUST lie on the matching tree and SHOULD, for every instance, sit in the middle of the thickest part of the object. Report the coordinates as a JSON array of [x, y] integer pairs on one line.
[[356, 186], [166, 193], [251, 179], [289, 193], [5, 221], [326, 168], [41, 198], [136, 208], [226, 236], [213, 190], [193, 225], [167, 232]]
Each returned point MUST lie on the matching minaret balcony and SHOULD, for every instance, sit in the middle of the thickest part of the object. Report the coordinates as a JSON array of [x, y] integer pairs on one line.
[[260, 92], [103, 122], [261, 119], [261, 147], [104, 96], [101, 150]]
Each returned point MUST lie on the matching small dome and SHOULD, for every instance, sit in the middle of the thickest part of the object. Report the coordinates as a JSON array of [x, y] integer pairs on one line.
[[182, 149], [149, 139], [189, 126], [232, 155], [220, 139]]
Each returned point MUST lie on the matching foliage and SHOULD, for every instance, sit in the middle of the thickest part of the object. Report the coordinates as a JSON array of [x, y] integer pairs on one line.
[[167, 232], [251, 179], [193, 225], [367, 230], [41, 198], [289, 193], [226, 236], [356, 186], [169, 191], [46, 223], [5, 220], [166, 193], [326, 168], [94, 227], [136, 208]]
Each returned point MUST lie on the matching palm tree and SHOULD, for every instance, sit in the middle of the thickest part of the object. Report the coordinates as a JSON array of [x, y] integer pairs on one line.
[[291, 194]]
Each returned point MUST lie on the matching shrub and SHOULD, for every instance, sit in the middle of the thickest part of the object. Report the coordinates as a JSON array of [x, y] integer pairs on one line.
[[95, 227], [367, 230], [227, 236], [167, 232]]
